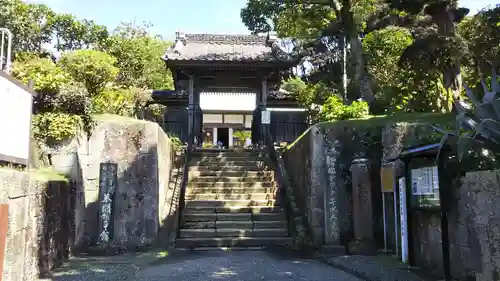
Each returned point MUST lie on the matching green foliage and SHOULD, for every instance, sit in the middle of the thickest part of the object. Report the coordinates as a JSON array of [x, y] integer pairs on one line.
[[30, 24], [114, 100], [93, 68], [478, 125], [482, 35], [176, 141], [307, 94], [88, 78], [138, 57], [73, 34], [48, 77], [54, 126], [335, 109], [242, 135]]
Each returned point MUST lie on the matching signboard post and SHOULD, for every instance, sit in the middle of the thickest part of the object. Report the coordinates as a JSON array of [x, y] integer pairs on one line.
[[387, 177], [403, 220]]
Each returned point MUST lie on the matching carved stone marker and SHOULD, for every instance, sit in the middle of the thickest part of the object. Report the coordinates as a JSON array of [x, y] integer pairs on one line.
[[107, 188], [363, 243]]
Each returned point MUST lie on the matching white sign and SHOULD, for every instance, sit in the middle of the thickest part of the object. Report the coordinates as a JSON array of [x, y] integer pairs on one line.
[[424, 181], [222, 101], [15, 120], [403, 222], [266, 117]]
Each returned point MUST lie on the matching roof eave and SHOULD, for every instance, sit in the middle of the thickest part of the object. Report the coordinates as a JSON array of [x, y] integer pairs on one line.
[[282, 64]]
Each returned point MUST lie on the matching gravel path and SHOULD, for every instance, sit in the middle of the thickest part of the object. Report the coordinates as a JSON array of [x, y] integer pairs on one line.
[[204, 266]]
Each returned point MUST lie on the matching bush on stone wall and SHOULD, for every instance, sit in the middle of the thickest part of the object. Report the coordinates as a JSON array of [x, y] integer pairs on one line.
[[335, 109]]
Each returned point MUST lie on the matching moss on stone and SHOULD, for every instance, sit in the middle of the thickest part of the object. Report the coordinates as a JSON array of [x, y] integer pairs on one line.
[[40, 174], [383, 120], [118, 118], [47, 174]]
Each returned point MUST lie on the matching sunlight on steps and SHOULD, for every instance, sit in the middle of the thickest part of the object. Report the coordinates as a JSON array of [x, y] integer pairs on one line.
[[231, 201]]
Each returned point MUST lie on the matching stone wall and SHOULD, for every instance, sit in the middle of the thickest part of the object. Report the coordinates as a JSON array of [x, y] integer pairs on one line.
[[318, 164], [474, 222], [474, 228], [40, 227], [144, 159]]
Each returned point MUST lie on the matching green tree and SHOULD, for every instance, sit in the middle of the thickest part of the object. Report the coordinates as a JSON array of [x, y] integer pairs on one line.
[[320, 19], [482, 35], [138, 56], [72, 34], [29, 23], [48, 77], [93, 68]]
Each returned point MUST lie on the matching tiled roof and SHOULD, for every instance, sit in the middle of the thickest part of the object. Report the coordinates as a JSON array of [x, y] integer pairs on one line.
[[213, 47]]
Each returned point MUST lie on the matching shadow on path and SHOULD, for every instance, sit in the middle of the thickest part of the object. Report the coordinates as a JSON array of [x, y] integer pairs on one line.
[[201, 265]]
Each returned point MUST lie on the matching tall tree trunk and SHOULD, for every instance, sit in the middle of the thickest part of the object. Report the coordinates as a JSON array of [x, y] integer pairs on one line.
[[351, 32], [343, 47], [452, 79]]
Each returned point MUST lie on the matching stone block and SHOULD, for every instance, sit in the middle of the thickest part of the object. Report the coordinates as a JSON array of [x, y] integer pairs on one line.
[[234, 224], [14, 256], [270, 224], [18, 214]]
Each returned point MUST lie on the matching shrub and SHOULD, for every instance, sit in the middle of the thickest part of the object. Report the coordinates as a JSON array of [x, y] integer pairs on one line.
[[47, 77], [54, 126], [335, 109], [93, 68], [114, 101]]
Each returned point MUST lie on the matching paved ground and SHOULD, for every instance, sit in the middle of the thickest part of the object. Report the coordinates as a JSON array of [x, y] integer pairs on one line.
[[203, 266]]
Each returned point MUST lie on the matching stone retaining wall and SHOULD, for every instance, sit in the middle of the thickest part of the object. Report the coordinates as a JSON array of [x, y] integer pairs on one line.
[[41, 225], [144, 159], [474, 228]]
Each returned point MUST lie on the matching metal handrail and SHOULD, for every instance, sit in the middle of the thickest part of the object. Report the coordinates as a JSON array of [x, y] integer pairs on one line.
[[284, 183], [8, 58], [185, 172]]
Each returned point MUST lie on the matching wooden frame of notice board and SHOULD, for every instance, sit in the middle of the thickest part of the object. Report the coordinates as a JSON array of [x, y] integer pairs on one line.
[[427, 188]]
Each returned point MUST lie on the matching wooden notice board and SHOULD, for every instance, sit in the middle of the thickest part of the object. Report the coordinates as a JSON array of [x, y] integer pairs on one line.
[[4, 226], [387, 178]]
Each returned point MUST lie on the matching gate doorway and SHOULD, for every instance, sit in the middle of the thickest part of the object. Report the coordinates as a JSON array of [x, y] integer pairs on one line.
[[223, 136]]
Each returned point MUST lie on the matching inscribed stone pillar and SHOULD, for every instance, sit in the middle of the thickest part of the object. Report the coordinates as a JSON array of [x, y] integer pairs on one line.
[[332, 214], [316, 200], [363, 243], [107, 188]]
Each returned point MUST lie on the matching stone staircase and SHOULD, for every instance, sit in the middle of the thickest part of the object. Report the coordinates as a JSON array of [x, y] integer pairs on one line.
[[230, 201]]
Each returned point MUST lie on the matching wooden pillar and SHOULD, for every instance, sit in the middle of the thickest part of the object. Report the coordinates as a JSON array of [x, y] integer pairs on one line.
[[230, 134], [263, 96], [191, 105], [214, 134]]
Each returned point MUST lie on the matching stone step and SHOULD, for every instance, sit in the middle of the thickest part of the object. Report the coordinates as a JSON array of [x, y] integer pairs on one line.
[[228, 232], [231, 179], [202, 217], [227, 168], [228, 174], [240, 196], [229, 203], [239, 162], [219, 153], [232, 157], [247, 224], [233, 210], [191, 243], [230, 190], [232, 185]]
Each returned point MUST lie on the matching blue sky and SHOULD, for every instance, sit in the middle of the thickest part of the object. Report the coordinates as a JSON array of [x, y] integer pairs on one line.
[[168, 16]]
